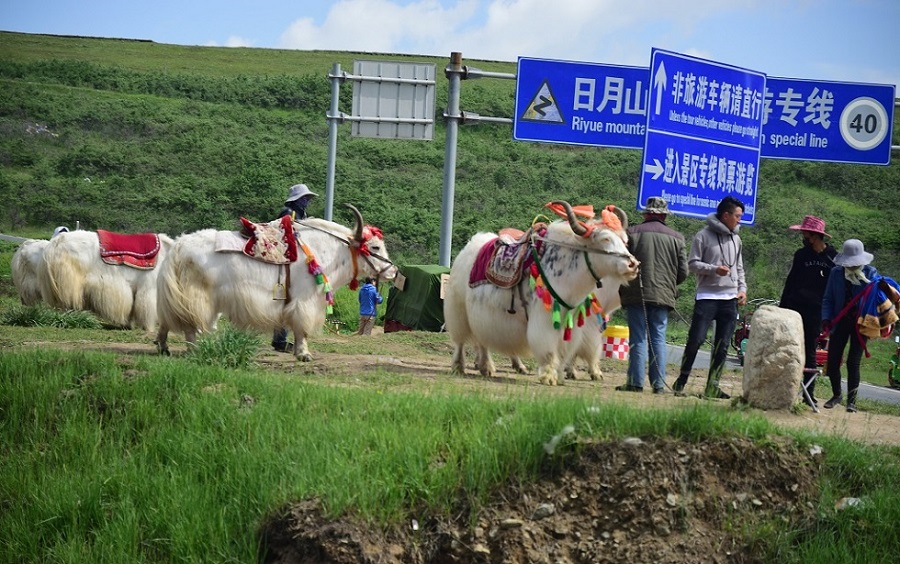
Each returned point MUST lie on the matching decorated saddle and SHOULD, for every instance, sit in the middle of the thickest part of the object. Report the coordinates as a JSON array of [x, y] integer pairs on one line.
[[138, 250], [273, 242], [502, 261]]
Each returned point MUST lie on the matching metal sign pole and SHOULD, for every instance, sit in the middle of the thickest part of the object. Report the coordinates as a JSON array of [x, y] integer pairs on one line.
[[334, 117], [453, 71]]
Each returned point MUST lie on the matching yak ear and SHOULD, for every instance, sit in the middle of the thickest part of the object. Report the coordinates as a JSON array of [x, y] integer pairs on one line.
[[358, 229]]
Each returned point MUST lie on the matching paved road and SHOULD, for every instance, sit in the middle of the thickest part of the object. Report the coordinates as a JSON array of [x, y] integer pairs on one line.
[[11, 238], [866, 391]]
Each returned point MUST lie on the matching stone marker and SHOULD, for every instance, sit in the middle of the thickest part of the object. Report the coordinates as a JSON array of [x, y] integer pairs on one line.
[[773, 361]]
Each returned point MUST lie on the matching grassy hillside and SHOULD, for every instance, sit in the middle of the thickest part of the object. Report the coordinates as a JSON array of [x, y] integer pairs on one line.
[[131, 136]]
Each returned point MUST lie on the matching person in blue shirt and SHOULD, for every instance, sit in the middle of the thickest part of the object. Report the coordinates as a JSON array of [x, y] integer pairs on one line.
[[847, 279], [369, 298]]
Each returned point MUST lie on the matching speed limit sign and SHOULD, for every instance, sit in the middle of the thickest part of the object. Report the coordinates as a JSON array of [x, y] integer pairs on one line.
[[818, 120], [864, 123]]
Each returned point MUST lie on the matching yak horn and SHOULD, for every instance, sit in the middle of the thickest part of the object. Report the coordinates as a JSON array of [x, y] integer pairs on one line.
[[358, 236], [623, 217], [576, 225]]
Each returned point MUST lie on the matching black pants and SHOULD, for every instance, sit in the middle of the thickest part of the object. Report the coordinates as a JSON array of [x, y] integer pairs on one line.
[[812, 321], [845, 331], [724, 313]]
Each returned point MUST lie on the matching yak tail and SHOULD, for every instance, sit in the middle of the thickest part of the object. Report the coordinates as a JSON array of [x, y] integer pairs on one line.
[[183, 296], [59, 264]]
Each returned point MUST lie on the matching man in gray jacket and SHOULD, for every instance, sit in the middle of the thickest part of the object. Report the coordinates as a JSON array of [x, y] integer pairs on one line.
[[648, 300], [716, 260]]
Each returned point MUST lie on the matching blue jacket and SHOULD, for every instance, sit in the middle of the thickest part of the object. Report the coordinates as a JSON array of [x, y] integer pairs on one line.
[[835, 297], [369, 298]]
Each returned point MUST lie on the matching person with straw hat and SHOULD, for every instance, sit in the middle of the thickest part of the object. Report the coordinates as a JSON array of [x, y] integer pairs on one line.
[[849, 277], [804, 288]]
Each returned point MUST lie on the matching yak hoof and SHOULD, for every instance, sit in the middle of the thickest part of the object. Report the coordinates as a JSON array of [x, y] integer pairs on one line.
[[548, 380], [162, 349], [305, 357]]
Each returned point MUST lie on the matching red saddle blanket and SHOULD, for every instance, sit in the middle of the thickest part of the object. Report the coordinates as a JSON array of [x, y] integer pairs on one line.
[[272, 242], [138, 250]]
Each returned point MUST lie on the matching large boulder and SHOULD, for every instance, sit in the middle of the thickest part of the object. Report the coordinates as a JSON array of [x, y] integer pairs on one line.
[[773, 362]]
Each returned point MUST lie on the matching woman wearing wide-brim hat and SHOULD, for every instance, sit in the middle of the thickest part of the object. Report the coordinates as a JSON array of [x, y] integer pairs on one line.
[[847, 279], [804, 288]]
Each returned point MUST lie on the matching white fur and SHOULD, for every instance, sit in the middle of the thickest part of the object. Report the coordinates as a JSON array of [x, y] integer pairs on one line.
[[197, 284], [73, 276], [24, 266], [479, 315]]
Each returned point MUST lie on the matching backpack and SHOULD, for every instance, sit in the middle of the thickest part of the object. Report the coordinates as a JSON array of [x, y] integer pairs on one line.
[[878, 308]]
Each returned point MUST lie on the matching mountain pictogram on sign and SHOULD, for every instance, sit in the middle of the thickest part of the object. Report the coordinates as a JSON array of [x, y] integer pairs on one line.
[[543, 107]]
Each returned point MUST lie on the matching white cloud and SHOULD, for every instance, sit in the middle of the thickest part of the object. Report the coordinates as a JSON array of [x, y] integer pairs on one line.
[[232, 41], [379, 26], [235, 41]]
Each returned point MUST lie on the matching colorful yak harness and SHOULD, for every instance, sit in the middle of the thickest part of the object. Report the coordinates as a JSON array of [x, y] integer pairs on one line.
[[357, 249], [543, 289]]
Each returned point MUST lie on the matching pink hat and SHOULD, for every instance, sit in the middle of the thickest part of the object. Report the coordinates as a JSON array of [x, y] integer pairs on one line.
[[813, 224]]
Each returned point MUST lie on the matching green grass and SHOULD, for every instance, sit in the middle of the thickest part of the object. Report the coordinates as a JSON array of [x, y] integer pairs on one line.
[[112, 459]]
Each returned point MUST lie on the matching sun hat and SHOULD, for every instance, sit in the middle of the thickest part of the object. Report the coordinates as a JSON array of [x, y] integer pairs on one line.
[[813, 224], [658, 205], [853, 254], [298, 191]]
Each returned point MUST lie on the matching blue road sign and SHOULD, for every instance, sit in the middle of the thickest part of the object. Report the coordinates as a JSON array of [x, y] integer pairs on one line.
[[580, 103], [814, 120], [704, 121]]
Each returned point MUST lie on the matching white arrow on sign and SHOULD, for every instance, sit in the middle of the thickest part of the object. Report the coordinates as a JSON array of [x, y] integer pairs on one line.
[[659, 81], [655, 169]]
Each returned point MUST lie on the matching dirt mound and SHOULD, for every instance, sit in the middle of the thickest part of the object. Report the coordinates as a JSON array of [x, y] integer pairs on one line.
[[660, 500]]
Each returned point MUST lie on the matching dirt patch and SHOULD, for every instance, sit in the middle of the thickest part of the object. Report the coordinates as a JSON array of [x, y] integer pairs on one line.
[[624, 501]]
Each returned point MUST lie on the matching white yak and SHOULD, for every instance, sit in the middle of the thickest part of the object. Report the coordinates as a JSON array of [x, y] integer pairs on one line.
[[198, 283], [572, 257], [74, 276]]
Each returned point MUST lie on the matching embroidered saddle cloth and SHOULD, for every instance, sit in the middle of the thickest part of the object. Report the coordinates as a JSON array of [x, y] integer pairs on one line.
[[138, 250], [272, 242], [501, 262]]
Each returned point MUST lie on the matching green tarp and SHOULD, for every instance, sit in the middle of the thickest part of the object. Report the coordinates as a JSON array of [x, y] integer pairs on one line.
[[418, 306]]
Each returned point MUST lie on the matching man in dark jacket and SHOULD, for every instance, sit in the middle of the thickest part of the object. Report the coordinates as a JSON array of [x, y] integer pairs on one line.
[[294, 205], [648, 300], [804, 288]]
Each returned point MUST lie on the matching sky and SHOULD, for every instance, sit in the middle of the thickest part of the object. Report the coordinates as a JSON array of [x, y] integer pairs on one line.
[[829, 40]]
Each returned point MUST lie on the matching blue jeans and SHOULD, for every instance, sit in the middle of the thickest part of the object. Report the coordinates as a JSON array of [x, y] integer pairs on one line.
[[638, 328], [724, 313]]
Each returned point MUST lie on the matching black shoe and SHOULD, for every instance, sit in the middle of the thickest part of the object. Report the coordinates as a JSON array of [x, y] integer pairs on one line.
[[629, 388], [660, 391], [283, 347], [813, 403], [851, 408], [716, 393], [836, 400]]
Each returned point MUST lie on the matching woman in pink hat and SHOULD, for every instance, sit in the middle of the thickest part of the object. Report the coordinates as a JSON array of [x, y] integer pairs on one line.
[[805, 286]]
